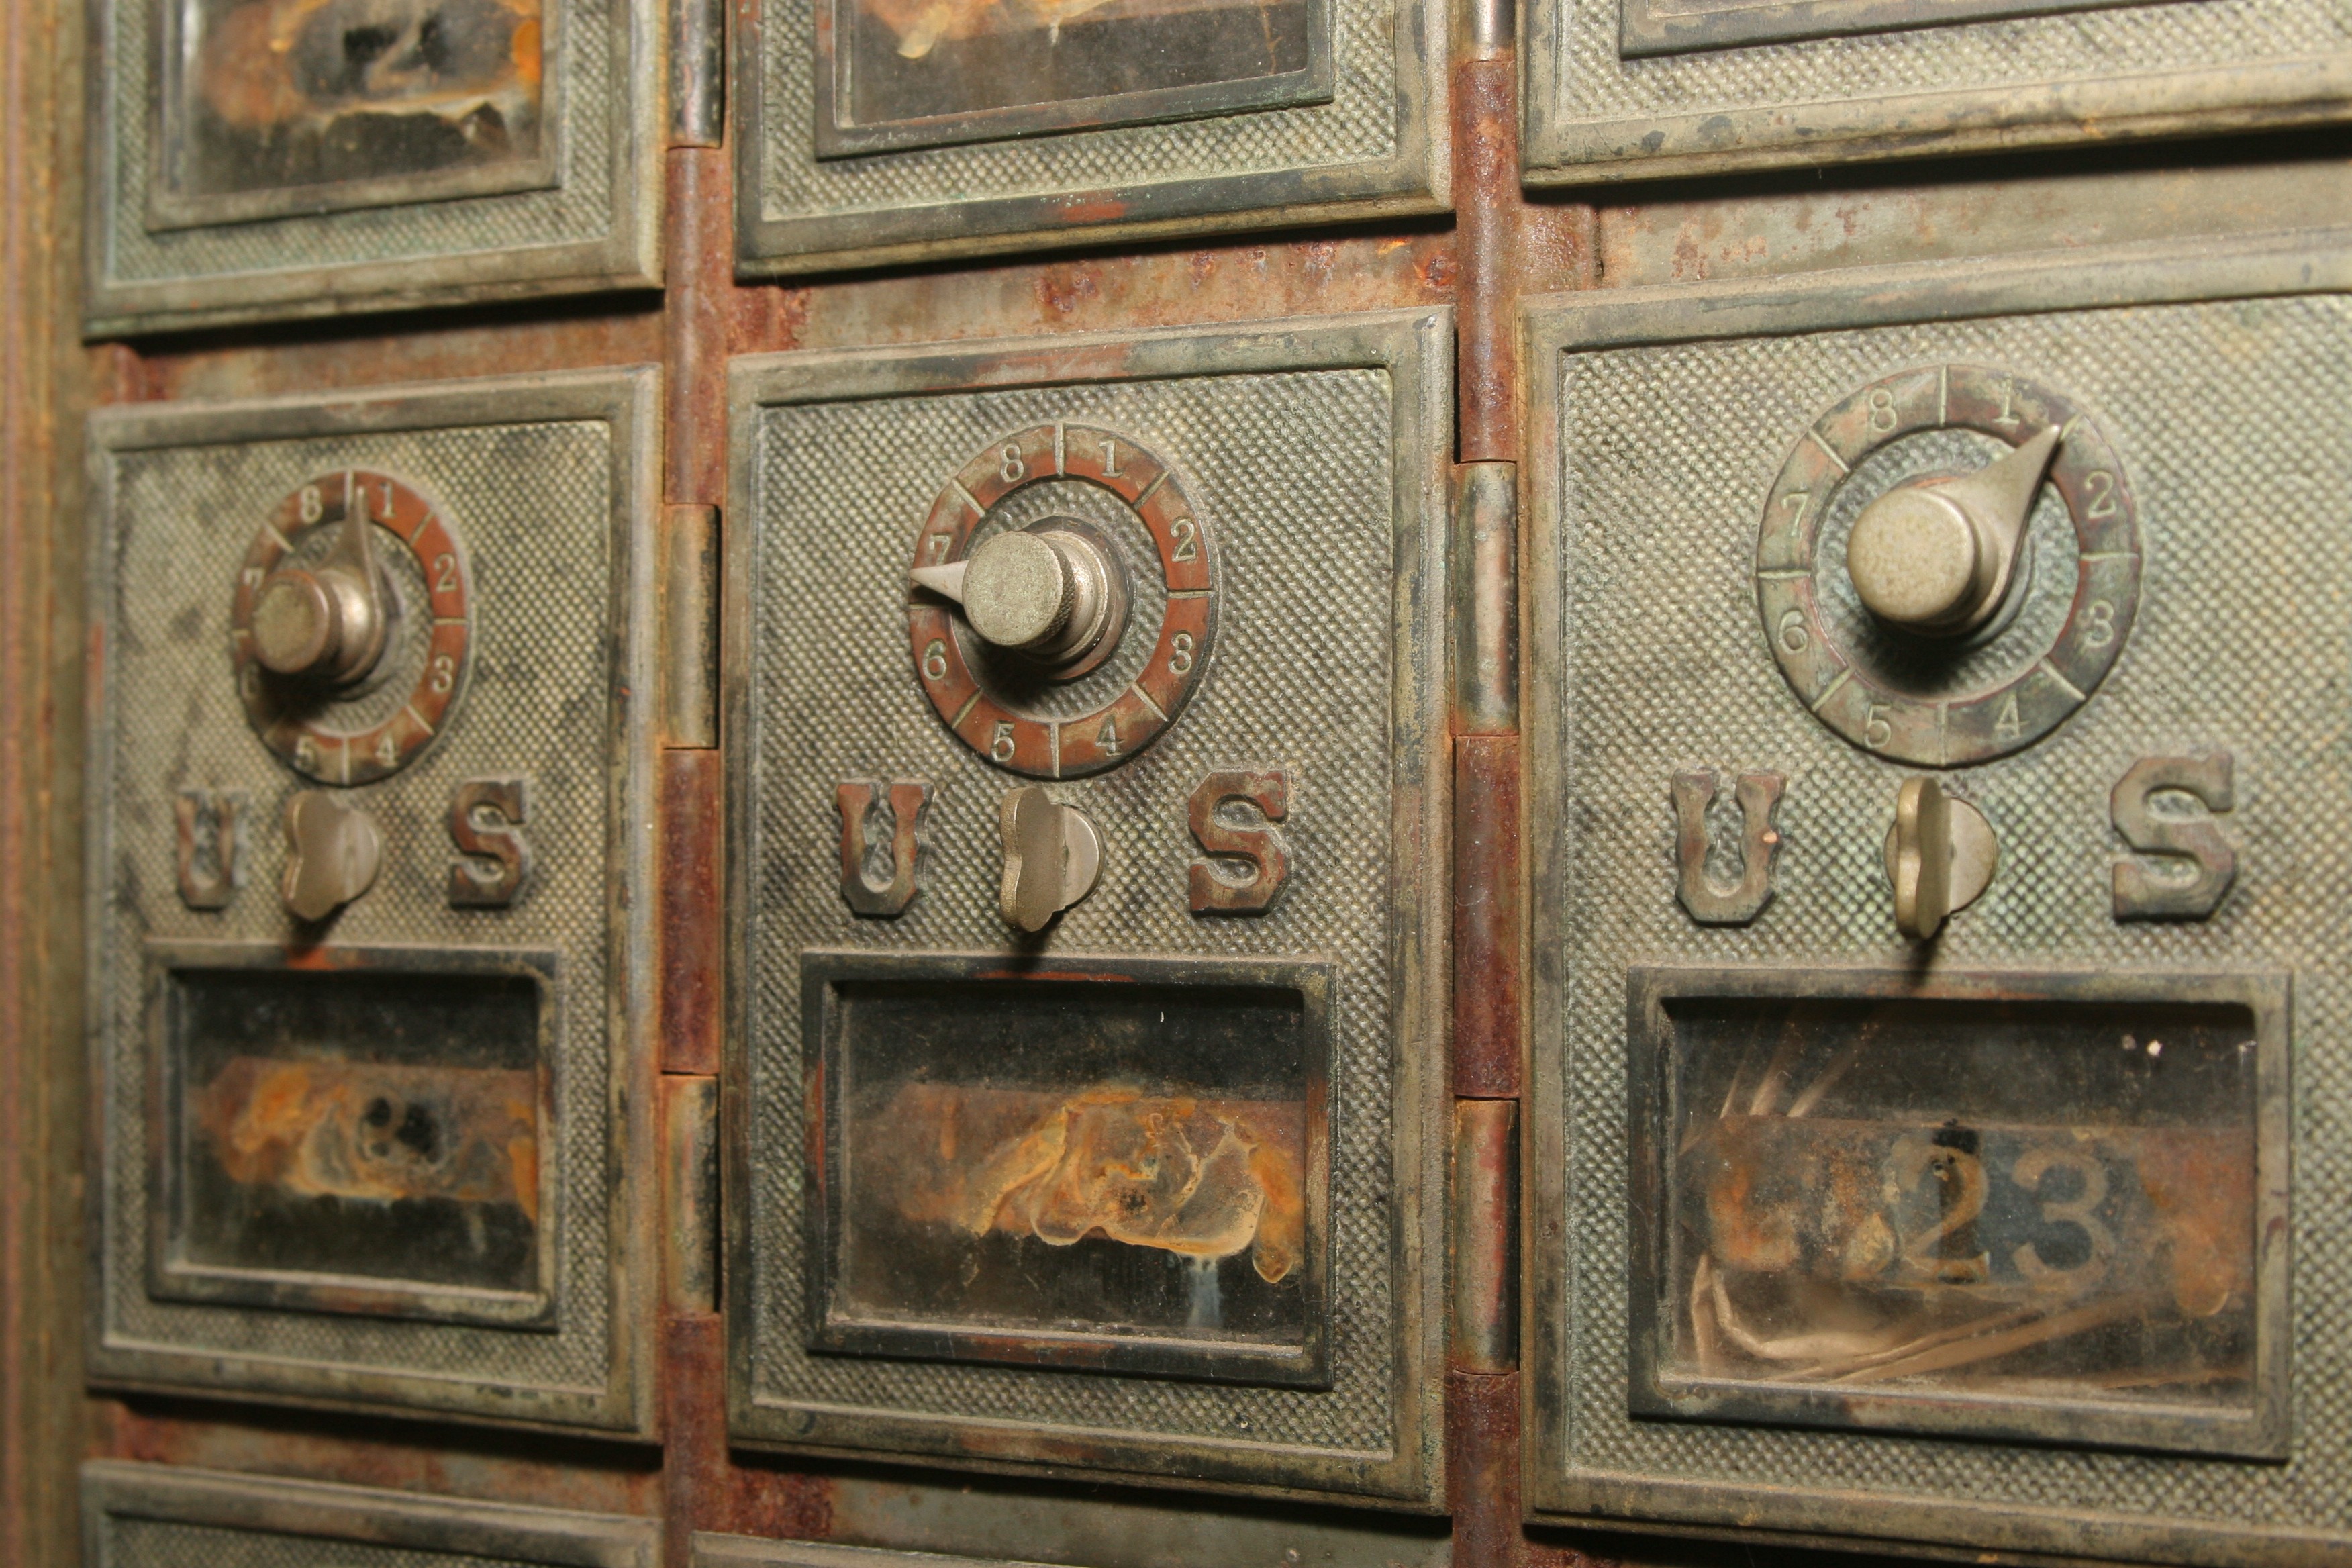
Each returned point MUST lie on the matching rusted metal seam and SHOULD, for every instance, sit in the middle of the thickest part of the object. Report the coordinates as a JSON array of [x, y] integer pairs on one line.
[[697, 260]]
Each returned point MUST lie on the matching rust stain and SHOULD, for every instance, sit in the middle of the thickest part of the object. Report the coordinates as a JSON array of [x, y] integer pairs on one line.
[[1091, 209], [2203, 1189], [367, 1130], [284, 65], [1198, 1177]]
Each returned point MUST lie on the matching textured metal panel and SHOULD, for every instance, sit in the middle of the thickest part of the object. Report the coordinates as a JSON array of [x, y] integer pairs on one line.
[[157, 1516], [1648, 659], [1378, 146], [2163, 68], [550, 481], [1314, 452], [591, 226]]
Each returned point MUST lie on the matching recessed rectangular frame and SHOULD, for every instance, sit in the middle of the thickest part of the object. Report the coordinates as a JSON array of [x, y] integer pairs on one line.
[[620, 1397], [1665, 27], [170, 1276], [368, 1523], [1763, 90], [822, 978], [582, 215], [1221, 167], [1413, 349], [2260, 1432], [2249, 267], [838, 137], [169, 208]]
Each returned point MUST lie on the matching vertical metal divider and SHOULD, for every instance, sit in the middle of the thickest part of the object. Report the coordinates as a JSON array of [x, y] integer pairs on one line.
[[1501, 241], [698, 268]]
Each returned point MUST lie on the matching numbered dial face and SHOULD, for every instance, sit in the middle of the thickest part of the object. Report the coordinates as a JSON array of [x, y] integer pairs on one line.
[[1020, 723], [359, 733], [1946, 703]]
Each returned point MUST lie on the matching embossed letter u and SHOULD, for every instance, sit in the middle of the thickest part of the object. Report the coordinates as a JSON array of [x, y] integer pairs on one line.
[[1709, 902]]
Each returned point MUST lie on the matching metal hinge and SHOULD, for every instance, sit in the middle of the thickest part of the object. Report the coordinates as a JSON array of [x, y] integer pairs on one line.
[[697, 72], [1485, 1244], [689, 1192], [689, 627]]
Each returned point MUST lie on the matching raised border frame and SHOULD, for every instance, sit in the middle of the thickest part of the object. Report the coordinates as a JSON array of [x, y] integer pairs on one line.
[[626, 254], [2288, 263], [170, 1277], [625, 397], [1769, 133], [1414, 346], [169, 207], [1231, 1361], [327, 1513], [1415, 177], [2181, 1429]]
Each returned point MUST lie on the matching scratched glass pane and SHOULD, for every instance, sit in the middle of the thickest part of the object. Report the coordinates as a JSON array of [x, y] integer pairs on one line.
[[919, 59], [377, 1126], [1044, 1157], [1956, 1197], [280, 94]]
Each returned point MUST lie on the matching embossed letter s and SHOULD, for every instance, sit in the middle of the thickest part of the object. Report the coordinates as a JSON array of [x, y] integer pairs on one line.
[[486, 824], [1709, 904], [2202, 863], [871, 885], [1214, 892]]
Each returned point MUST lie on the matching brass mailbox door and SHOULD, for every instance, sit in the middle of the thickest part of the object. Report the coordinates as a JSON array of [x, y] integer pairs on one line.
[[1079, 1103], [1620, 89], [368, 935], [1934, 982]]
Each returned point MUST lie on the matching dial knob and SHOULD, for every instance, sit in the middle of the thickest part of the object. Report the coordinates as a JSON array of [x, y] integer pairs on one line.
[[1044, 591], [326, 620], [1940, 559]]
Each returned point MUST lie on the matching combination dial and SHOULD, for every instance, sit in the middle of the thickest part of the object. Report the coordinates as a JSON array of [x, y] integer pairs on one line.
[[1948, 565], [349, 626], [1021, 627]]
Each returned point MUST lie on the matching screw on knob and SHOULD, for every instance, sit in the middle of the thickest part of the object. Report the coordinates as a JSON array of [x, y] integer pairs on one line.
[[1052, 857], [1940, 559], [1940, 855], [327, 621], [1045, 591]]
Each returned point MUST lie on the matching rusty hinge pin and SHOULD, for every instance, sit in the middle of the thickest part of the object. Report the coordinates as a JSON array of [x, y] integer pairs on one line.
[[689, 1192], [1485, 1231], [1486, 598], [697, 72], [689, 627]]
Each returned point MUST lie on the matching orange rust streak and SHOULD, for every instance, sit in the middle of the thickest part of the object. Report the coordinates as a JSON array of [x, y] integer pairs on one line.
[[370, 1130]]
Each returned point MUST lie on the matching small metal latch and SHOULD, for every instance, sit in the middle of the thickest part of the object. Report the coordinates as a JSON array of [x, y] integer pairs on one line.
[[1940, 855], [332, 853], [1052, 857]]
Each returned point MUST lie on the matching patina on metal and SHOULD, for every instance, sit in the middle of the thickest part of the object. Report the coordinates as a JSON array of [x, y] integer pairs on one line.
[[366, 1141], [886, 131], [1191, 1227], [260, 158], [2010, 1276], [159, 1515], [1633, 90]]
